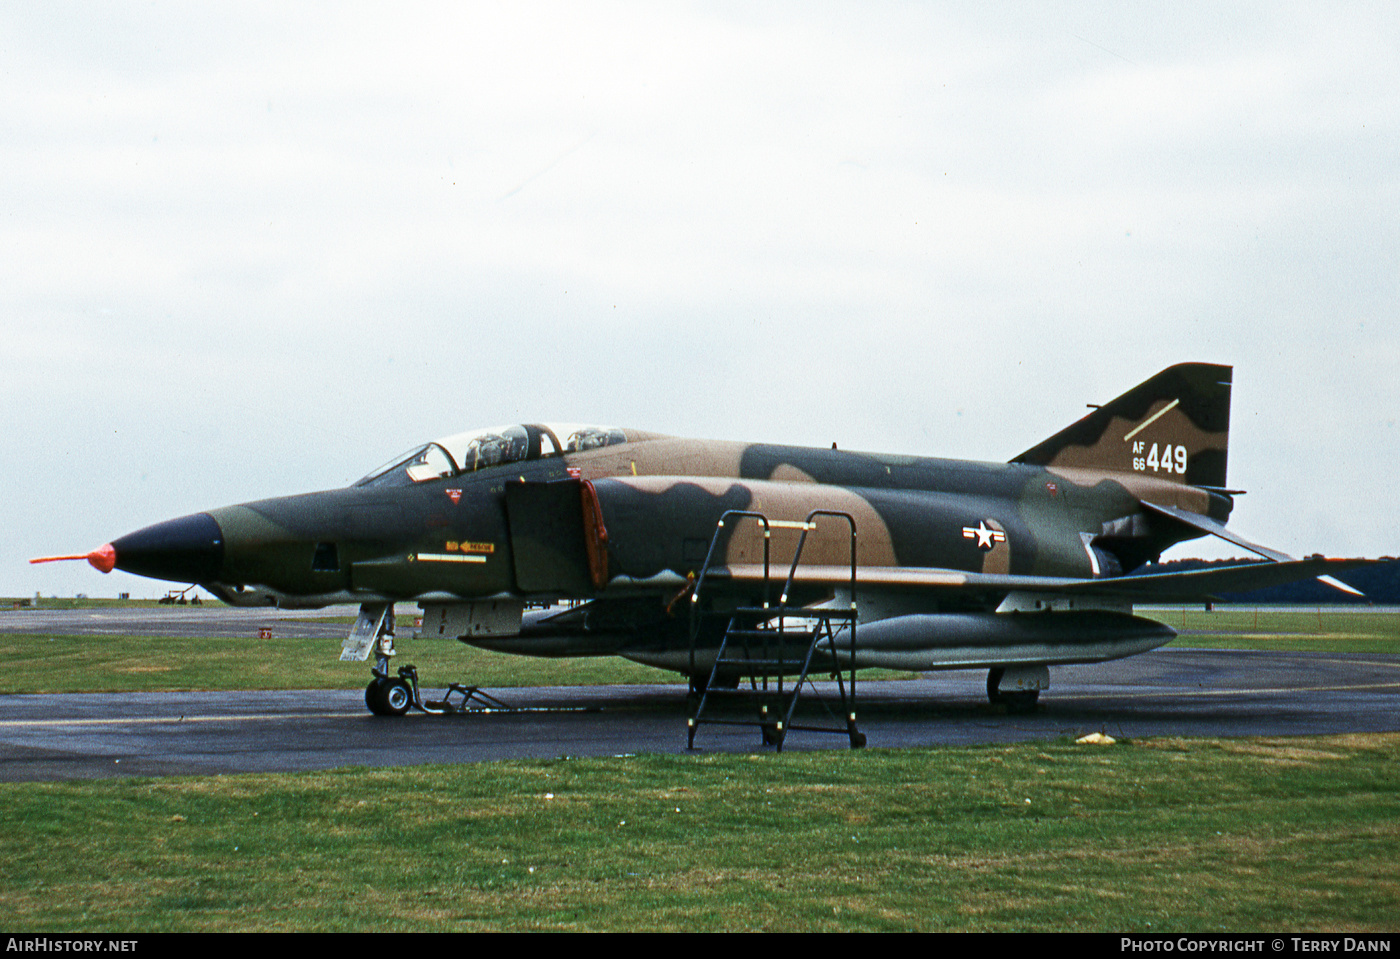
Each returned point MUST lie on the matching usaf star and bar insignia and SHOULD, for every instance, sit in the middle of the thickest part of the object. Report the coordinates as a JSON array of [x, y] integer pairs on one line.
[[987, 537]]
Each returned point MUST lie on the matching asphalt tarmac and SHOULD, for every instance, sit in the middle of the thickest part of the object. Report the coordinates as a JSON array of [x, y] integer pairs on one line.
[[1169, 692]]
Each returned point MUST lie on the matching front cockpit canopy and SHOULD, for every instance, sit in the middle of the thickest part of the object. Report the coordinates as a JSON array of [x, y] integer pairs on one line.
[[480, 449]]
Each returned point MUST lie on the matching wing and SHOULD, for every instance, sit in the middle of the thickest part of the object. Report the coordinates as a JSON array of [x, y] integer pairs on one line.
[[1198, 585]]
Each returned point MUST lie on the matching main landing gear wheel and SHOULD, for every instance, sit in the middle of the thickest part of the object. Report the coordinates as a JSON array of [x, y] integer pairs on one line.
[[1020, 701], [388, 697], [723, 681]]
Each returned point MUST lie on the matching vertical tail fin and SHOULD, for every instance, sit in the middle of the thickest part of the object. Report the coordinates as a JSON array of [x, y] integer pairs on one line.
[[1175, 426]]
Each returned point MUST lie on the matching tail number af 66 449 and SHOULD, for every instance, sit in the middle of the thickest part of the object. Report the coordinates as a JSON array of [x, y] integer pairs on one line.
[[1169, 459]]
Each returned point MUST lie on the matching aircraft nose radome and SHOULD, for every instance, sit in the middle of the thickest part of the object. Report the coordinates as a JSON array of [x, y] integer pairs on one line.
[[185, 550]]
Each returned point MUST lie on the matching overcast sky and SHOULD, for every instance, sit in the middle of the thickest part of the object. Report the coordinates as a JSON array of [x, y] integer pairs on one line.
[[255, 249]]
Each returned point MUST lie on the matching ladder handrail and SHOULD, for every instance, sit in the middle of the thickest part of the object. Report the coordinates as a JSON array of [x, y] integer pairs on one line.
[[705, 569], [808, 526]]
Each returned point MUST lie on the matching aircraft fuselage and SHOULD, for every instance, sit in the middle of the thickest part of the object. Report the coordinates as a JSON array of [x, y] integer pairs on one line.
[[658, 500]]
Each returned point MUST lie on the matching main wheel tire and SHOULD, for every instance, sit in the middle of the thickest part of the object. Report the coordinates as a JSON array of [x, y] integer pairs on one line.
[[1018, 701], [1022, 701], [374, 697], [722, 681], [994, 693]]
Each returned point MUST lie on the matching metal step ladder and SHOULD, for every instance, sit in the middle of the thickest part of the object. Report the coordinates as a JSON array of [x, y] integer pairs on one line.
[[769, 644]]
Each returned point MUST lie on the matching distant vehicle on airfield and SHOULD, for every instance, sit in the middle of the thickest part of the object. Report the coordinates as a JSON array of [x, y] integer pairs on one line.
[[726, 560]]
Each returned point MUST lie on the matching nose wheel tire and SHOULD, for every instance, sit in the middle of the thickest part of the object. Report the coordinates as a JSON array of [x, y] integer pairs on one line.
[[388, 697]]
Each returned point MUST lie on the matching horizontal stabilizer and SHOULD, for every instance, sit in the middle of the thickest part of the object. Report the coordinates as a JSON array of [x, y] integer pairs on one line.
[[1208, 584], [1207, 525]]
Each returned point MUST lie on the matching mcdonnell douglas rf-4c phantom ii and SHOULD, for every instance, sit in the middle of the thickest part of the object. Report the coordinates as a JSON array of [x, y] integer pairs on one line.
[[726, 560]]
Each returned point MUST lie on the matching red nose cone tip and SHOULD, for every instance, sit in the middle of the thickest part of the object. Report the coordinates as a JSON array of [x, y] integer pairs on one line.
[[104, 558]]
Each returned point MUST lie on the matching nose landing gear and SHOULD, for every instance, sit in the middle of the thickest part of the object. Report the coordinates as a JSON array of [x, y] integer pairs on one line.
[[388, 695]]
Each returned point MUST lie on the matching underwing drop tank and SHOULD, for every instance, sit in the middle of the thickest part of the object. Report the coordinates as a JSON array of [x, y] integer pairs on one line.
[[928, 641]]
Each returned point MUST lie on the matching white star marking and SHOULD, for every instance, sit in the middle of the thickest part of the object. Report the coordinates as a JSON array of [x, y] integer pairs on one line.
[[986, 537]]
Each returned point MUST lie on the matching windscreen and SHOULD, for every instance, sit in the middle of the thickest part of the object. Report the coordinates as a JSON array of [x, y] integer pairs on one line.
[[429, 461], [481, 449]]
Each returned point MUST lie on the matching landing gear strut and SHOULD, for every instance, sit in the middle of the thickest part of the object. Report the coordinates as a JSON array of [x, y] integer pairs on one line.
[[386, 696]]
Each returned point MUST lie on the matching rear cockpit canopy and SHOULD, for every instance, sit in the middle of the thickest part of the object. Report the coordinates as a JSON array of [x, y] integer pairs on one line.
[[479, 449]]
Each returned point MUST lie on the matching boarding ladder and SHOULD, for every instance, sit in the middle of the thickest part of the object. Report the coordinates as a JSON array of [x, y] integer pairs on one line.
[[768, 644]]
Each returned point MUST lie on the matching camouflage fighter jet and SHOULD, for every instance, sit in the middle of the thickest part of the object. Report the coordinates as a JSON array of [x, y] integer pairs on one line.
[[570, 540]]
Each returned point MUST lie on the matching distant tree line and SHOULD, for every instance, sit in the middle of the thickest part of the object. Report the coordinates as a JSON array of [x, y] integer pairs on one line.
[[1380, 584]]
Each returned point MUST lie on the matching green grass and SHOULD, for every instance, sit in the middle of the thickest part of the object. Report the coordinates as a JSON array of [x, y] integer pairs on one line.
[[72, 602], [1168, 835], [65, 664], [1335, 629], [1163, 835]]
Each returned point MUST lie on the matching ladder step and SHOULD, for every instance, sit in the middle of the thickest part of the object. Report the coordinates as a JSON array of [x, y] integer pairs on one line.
[[795, 636], [735, 722], [789, 663]]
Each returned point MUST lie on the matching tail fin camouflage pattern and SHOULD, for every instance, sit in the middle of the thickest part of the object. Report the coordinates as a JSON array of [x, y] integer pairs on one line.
[[1175, 426]]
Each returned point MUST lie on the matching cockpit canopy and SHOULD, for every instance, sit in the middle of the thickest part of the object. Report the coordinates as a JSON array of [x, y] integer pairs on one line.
[[478, 449]]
